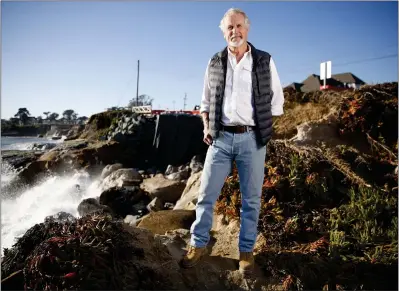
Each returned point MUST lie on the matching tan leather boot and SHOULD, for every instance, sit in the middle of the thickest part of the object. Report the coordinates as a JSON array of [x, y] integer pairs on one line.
[[193, 256], [246, 263]]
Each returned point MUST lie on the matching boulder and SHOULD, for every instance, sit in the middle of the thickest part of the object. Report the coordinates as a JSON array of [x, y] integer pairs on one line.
[[170, 170], [74, 132], [196, 164], [42, 146], [32, 171], [189, 198], [165, 220], [60, 217], [18, 159], [155, 205], [110, 169], [132, 220], [49, 156], [180, 175], [117, 178], [122, 201], [167, 190], [313, 132], [90, 206]]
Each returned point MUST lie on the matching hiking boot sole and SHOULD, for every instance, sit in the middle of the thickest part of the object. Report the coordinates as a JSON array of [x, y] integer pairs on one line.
[[193, 264]]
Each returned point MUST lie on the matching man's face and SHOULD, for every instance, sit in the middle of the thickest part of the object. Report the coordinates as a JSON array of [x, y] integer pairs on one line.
[[235, 31]]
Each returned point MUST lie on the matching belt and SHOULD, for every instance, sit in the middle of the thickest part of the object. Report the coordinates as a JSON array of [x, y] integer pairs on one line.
[[237, 128]]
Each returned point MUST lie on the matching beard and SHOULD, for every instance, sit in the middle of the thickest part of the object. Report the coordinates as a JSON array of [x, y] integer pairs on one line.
[[237, 42]]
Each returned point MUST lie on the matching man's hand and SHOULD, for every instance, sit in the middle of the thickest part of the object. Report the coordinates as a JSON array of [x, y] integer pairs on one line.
[[207, 137]]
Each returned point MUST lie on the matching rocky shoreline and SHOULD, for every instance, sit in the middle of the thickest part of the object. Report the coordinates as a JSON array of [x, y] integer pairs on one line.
[[328, 215]]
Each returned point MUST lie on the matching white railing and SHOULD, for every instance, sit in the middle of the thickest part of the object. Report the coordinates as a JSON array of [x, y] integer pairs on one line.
[[142, 109]]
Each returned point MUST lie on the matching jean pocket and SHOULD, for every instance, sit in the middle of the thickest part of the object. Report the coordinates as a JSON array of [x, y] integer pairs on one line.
[[252, 134]]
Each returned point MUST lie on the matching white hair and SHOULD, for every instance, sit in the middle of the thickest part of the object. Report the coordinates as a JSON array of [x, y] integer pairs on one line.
[[234, 11]]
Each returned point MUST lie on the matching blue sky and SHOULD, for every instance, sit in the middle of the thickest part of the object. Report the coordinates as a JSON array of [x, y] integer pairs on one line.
[[83, 55]]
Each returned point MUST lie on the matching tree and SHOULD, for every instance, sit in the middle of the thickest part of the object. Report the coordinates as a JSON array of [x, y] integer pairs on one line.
[[23, 115], [74, 116], [46, 113], [53, 116], [142, 101], [67, 114], [82, 119], [39, 119]]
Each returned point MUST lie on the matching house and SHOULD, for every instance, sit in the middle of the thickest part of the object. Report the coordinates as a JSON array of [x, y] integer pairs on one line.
[[336, 82], [31, 120]]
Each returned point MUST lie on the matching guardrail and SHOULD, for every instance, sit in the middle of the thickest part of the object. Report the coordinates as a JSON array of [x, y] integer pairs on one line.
[[148, 110]]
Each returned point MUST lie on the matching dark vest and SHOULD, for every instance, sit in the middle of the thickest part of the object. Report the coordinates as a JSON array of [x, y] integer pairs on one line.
[[261, 93]]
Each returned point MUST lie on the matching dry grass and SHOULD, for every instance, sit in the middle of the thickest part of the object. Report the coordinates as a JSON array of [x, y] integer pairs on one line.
[[285, 126]]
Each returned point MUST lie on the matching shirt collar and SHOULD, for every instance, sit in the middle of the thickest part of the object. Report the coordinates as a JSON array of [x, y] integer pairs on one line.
[[245, 54]]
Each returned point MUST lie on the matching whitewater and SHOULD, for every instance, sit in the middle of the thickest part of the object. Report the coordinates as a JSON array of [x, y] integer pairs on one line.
[[21, 211]]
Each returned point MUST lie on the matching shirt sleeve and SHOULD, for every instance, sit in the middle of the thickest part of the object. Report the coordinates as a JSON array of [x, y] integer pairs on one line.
[[278, 95], [206, 92]]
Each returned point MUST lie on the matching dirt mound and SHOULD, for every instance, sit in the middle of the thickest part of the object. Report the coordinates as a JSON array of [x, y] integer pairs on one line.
[[322, 209], [372, 111], [97, 253], [369, 112], [91, 253]]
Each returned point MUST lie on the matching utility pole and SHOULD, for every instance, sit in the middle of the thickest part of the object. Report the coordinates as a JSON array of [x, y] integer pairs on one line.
[[138, 74], [185, 99]]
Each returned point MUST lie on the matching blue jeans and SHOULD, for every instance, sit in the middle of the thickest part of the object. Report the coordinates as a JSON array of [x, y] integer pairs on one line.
[[250, 160]]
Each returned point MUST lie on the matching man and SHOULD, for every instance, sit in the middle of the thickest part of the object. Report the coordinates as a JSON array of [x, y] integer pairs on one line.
[[242, 92]]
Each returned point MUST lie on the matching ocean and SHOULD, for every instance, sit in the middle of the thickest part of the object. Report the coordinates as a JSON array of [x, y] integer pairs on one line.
[[23, 143], [20, 211]]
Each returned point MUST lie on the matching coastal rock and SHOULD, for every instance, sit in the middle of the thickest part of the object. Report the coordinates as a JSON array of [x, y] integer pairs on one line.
[[42, 146], [182, 174], [170, 170], [74, 132], [132, 220], [91, 206], [32, 171], [156, 204], [73, 155], [167, 190], [117, 178], [189, 198], [165, 220], [196, 164], [110, 169], [122, 201], [19, 159], [60, 217]]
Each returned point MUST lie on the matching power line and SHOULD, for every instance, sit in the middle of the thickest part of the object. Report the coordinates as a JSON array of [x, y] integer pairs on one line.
[[366, 60], [345, 63]]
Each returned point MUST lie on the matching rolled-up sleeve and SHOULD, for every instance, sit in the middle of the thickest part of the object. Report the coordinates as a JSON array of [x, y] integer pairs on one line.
[[206, 92], [278, 95]]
